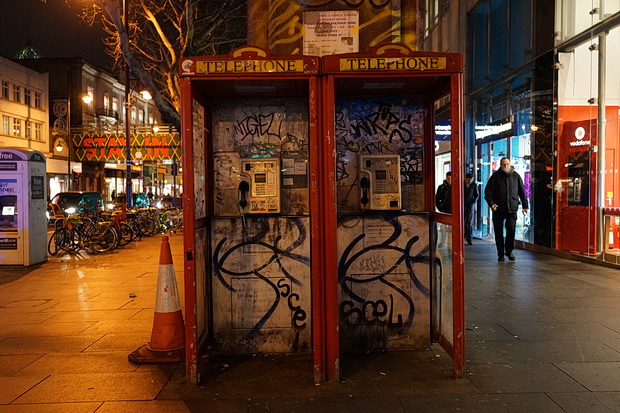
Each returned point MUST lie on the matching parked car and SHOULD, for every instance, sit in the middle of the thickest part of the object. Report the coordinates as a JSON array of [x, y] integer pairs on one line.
[[167, 202], [140, 200], [77, 202]]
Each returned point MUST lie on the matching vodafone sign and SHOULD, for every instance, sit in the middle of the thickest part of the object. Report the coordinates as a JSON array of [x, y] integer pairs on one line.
[[580, 138]]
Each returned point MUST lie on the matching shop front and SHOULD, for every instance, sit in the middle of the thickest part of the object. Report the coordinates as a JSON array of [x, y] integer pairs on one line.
[[587, 188]]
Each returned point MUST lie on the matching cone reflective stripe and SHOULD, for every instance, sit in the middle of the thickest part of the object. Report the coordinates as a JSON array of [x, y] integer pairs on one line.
[[168, 328]]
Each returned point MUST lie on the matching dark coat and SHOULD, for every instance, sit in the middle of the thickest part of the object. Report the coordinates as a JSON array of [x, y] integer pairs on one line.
[[443, 198], [506, 190], [470, 195]]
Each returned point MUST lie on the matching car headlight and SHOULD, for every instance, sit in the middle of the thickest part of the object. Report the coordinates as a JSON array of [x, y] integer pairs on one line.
[[70, 210], [159, 205], [110, 206]]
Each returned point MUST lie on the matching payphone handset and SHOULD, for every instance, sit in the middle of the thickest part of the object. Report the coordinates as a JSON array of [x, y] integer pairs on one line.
[[379, 178], [259, 189]]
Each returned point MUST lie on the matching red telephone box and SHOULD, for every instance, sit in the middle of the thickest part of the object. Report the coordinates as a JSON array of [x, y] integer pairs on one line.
[[249, 130], [274, 259], [394, 272]]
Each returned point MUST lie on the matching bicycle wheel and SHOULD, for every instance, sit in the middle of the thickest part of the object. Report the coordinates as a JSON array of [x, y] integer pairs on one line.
[[126, 234], [57, 237], [103, 239]]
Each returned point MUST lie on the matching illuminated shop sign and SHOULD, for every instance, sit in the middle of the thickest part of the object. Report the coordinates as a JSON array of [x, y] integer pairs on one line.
[[443, 131], [392, 63], [249, 66], [580, 134], [112, 146], [484, 131]]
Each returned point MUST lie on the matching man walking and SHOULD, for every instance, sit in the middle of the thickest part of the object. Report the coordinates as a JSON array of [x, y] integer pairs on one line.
[[503, 193], [471, 195]]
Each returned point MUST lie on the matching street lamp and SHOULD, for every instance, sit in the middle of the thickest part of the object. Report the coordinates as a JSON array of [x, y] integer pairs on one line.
[[59, 147]]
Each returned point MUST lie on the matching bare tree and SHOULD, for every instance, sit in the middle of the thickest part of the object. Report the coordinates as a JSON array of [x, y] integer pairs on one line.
[[159, 32]]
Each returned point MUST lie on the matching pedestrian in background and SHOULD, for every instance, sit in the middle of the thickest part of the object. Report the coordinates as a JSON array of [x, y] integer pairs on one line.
[[443, 197], [471, 195], [503, 193]]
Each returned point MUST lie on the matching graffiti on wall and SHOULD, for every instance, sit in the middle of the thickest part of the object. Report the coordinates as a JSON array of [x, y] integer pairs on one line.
[[254, 128], [383, 274], [264, 267], [377, 126]]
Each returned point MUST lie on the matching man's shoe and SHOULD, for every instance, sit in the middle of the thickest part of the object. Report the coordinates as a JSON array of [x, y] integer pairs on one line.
[[500, 258], [511, 257], [469, 242]]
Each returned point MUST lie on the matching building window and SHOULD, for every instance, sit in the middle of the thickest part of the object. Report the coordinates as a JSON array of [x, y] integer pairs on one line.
[[37, 100], [5, 125], [141, 117], [17, 127], [38, 135], [17, 94], [106, 103], [27, 96], [28, 129], [115, 104], [133, 115], [5, 89]]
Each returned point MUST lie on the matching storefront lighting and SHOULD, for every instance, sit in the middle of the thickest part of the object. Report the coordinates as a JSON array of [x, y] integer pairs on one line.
[[87, 99]]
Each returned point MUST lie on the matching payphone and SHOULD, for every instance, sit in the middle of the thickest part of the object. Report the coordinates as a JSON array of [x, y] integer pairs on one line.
[[259, 189], [379, 178]]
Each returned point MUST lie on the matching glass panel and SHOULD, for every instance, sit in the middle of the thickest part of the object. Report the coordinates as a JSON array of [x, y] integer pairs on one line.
[[499, 38], [577, 131], [443, 154], [443, 279], [442, 268], [478, 47]]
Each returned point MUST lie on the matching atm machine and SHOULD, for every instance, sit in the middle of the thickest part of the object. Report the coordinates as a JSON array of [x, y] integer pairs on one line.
[[23, 223]]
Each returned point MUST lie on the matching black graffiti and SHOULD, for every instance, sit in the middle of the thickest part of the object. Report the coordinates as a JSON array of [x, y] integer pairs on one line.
[[411, 171], [299, 314], [370, 313], [259, 126], [349, 259], [222, 253], [379, 127], [383, 122], [375, 262]]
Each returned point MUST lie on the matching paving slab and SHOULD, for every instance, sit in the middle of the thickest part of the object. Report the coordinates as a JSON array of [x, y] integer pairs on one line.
[[596, 377], [522, 378], [95, 387]]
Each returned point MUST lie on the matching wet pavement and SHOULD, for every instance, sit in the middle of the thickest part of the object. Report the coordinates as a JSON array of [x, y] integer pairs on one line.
[[543, 334]]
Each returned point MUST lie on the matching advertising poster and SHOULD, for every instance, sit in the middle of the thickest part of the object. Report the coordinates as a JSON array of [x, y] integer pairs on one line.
[[331, 32]]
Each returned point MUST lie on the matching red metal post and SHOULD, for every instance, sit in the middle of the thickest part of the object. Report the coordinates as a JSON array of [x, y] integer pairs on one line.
[[458, 259], [318, 264], [330, 245], [191, 340]]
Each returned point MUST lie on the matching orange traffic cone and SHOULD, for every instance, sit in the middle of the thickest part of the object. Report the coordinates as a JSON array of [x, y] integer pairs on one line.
[[167, 343]]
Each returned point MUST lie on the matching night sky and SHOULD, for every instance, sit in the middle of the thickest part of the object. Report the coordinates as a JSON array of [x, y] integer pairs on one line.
[[53, 28]]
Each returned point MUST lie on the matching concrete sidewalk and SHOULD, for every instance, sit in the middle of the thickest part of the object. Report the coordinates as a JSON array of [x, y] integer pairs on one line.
[[543, 334]]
